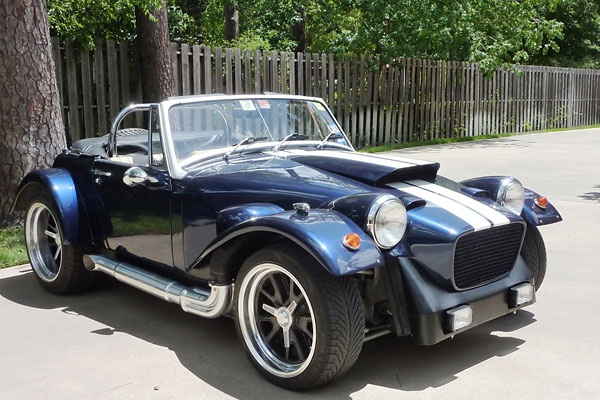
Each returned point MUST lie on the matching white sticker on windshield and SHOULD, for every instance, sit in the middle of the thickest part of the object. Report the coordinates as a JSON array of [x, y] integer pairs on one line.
[[333, 128], [247, 105], [264, 104]]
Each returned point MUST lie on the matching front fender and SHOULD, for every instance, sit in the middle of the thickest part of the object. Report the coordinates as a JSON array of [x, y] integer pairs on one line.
[[59, 184], [320, 233], [531, 213], [535, 215]]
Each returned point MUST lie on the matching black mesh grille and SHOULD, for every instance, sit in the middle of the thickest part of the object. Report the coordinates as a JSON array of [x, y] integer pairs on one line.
[[486, 255]]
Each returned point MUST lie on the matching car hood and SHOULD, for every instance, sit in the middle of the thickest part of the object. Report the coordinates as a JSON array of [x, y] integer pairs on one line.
[[291, 176], [370, 169]]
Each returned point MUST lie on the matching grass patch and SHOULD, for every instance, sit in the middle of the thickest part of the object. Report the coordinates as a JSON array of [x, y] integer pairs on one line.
[[12, 247], [397, 146]]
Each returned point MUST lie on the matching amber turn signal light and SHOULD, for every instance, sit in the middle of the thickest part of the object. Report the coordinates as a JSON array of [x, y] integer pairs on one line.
[[351, 241], [541, 202]]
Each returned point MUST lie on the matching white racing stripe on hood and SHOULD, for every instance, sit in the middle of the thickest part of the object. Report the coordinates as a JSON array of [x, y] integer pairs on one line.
[[395, 163], [466, 214], [489, 213]]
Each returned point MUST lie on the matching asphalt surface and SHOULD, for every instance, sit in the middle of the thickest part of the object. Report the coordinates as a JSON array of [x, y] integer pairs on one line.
[[118, 343]]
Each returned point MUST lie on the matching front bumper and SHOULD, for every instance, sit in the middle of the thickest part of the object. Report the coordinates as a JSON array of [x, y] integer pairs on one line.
[[428, 303]]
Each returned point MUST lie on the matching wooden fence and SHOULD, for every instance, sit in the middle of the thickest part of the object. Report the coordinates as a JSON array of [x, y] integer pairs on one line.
[[405, 100]]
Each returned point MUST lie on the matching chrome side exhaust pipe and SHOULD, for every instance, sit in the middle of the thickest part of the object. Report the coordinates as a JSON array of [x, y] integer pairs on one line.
[[194, 300]]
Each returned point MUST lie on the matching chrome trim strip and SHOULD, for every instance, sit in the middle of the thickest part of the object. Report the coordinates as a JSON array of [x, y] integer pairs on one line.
[[194, 300]]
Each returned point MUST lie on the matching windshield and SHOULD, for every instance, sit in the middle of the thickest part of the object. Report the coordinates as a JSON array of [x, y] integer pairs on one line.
[[207, 125]]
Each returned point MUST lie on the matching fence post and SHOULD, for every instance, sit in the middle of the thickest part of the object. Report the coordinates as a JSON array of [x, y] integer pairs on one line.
[[570, 101], [544, 97]]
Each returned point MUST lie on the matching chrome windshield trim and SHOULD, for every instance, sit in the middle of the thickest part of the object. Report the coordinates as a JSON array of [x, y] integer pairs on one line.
[[176, 168]]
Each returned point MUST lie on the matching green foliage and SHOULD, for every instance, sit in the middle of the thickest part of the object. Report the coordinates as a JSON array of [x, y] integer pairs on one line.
[[251, 41], [580, 44], [12, 247], [490, 32], [85, 20], [493, 33]]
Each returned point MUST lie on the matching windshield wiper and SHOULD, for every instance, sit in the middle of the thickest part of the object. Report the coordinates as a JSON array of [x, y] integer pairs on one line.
[[246, 140], [291, 136], [332, 135]]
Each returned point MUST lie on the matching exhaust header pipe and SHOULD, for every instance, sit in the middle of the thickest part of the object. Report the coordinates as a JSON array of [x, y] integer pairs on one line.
[[194, 300]]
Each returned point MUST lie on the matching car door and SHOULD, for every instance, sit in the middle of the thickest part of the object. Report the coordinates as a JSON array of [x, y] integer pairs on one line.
[[135, 189]]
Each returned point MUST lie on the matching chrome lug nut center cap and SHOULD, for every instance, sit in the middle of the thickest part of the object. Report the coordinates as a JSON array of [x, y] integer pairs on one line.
[[283, 317]]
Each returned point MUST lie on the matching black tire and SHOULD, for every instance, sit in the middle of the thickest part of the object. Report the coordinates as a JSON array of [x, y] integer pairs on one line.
[[335, 303], [67, 274], [534, 253], [132, 132]]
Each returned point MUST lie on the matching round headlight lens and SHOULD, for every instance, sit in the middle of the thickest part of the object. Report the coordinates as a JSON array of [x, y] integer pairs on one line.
[[511, 195], [387, 221]]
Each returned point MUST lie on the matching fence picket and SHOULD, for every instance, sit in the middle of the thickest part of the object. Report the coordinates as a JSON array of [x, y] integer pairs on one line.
[[86, 91]]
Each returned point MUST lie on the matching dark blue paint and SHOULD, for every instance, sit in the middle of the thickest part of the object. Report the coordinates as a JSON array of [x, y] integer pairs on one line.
[[320, 233], [490, 184], [219, 201], [232, 216], [253, 179], [62, 190], [362, 168], [535, 215]]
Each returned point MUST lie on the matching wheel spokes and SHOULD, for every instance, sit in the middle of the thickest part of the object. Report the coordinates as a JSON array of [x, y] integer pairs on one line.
[[301, 323], [282, 321], [277, 289], [297, 346], [274, 331], [268, 296]]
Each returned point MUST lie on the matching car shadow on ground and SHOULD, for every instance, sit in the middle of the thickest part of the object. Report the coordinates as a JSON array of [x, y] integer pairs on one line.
[[210, 350]]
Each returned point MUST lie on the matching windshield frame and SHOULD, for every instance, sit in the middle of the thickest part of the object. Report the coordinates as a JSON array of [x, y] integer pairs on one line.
[[178, 168]]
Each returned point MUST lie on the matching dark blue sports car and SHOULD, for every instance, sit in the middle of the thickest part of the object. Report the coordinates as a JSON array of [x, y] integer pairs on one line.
[[257, 207]]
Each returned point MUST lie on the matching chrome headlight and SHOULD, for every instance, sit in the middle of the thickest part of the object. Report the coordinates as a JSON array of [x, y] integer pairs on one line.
[[386, 221], [511, 195]]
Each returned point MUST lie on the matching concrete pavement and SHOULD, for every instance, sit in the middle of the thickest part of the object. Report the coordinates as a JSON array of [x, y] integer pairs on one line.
[[118, 343]]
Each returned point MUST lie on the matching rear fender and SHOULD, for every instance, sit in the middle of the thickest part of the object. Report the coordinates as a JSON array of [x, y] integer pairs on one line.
[[319, 233], [59, 184]]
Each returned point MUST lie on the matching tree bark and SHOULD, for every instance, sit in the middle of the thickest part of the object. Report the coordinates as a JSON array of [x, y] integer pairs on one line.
[[232, 20], [299, 32], [155, 55], [31, 127]]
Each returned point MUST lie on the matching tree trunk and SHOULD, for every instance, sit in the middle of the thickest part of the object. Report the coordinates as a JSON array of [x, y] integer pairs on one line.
[[31, 127], [232, 20], [299, 32], [155, 53]]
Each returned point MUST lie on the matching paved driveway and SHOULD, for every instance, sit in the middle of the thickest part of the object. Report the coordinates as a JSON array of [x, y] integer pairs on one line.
[[120, 343]]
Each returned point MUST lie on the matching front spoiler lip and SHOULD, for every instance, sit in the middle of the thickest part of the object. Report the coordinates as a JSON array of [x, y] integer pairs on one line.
[[429, 301]]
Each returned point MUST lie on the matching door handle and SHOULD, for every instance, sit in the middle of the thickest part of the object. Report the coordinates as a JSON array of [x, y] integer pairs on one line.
[[135, 176], [97, 171]]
